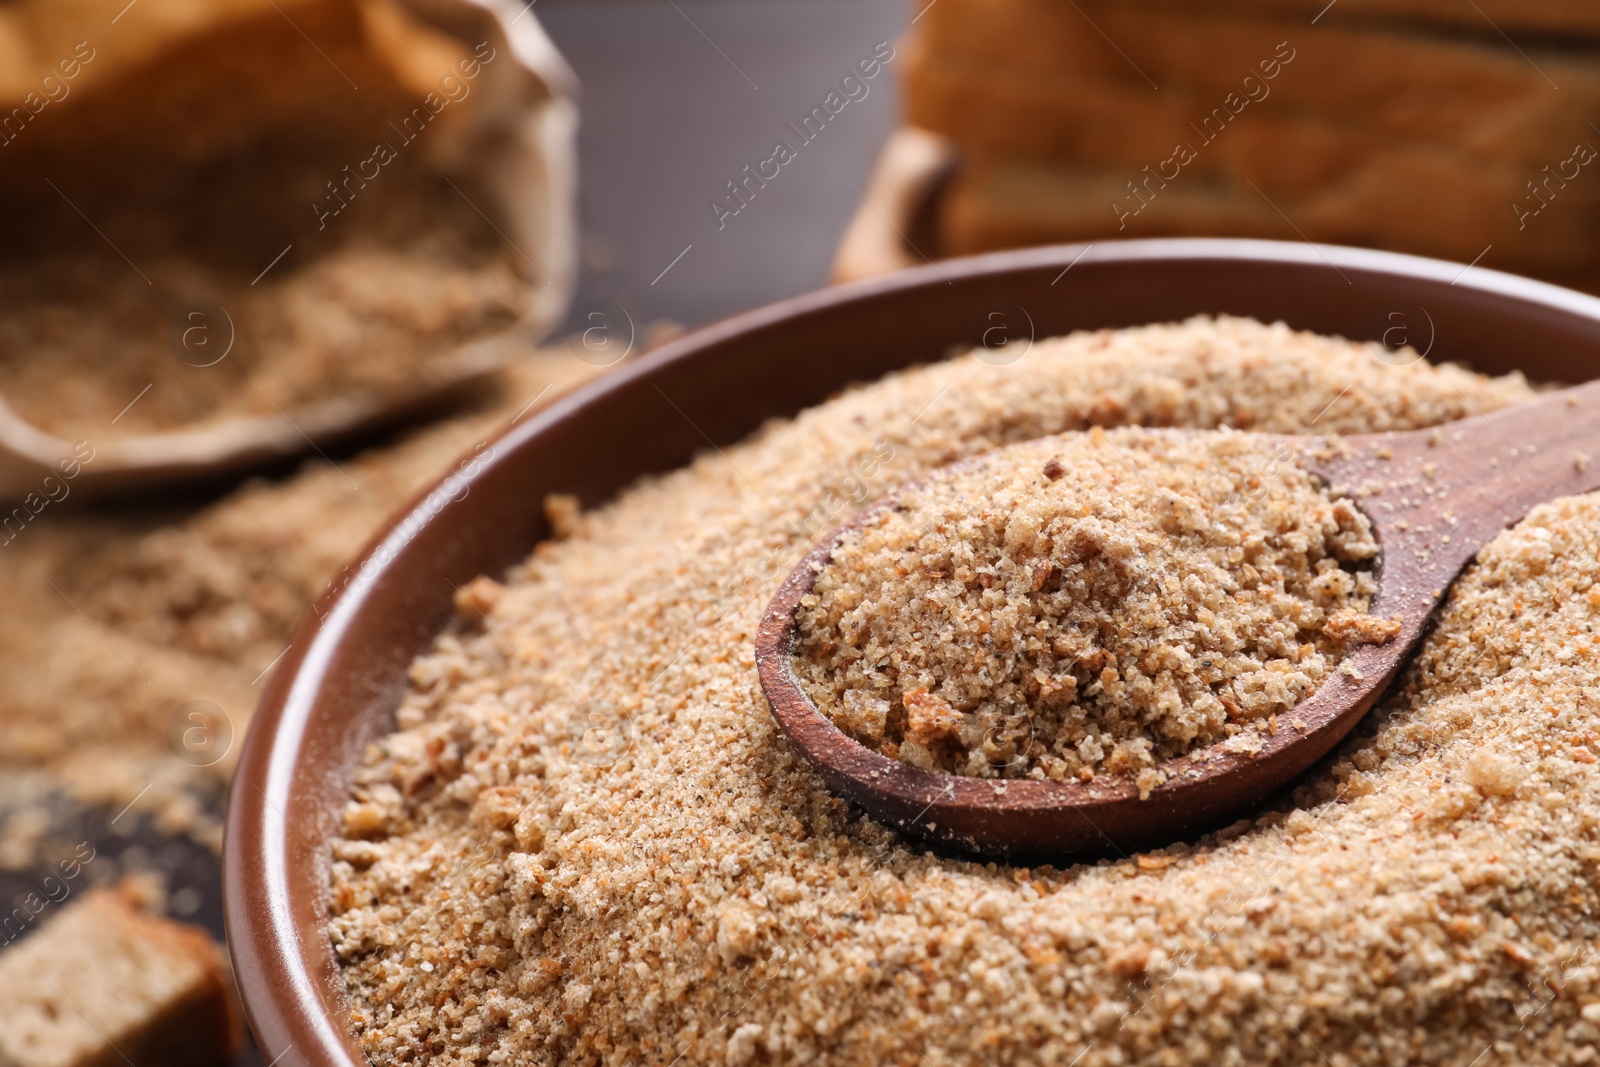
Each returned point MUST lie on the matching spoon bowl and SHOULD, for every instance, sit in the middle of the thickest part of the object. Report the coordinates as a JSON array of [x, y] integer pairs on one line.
[[1434, 498]]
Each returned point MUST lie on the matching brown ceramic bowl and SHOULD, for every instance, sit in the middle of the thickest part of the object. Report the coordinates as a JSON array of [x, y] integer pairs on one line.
[[339, 683]]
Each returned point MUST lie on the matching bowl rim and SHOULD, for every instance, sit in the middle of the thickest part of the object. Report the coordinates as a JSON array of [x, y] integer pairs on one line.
[[281, 994]]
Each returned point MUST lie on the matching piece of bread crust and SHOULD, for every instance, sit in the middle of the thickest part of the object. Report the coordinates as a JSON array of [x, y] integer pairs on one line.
[[102, 985]]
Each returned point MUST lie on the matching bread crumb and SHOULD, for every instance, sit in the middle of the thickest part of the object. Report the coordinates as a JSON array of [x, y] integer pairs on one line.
[[1353, 627], [929, 719], [1493, 775], [737, 931], [1518, 952], [564, 514], [476, 600]]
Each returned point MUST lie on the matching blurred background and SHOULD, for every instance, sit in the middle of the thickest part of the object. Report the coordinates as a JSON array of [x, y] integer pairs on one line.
[[269, 267], [1434, 127], [676, 102]]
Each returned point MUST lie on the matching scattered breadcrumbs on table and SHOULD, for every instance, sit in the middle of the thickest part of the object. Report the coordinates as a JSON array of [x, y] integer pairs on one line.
[[1086, 603], [516, 885], [195, 600]]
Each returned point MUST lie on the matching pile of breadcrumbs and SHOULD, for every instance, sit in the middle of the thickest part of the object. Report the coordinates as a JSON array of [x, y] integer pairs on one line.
[[372, 319], [587, 841], [1086, 602]]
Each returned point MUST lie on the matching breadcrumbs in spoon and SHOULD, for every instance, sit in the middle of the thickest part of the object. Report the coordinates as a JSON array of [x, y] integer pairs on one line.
[[1088, 603]]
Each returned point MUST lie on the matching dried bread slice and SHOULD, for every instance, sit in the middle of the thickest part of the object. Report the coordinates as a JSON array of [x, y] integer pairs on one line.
[[1005, 109], [1004, 203], [1487, 18], [1126, 127], [1014, 75], [1389, 201], [102, 985]]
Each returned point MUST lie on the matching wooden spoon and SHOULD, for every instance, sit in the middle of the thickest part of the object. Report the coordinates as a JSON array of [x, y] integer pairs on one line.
[[1434, 497]]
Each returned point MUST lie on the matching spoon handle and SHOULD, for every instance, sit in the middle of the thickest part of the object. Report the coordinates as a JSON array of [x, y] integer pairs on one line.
[[1435, 497]]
